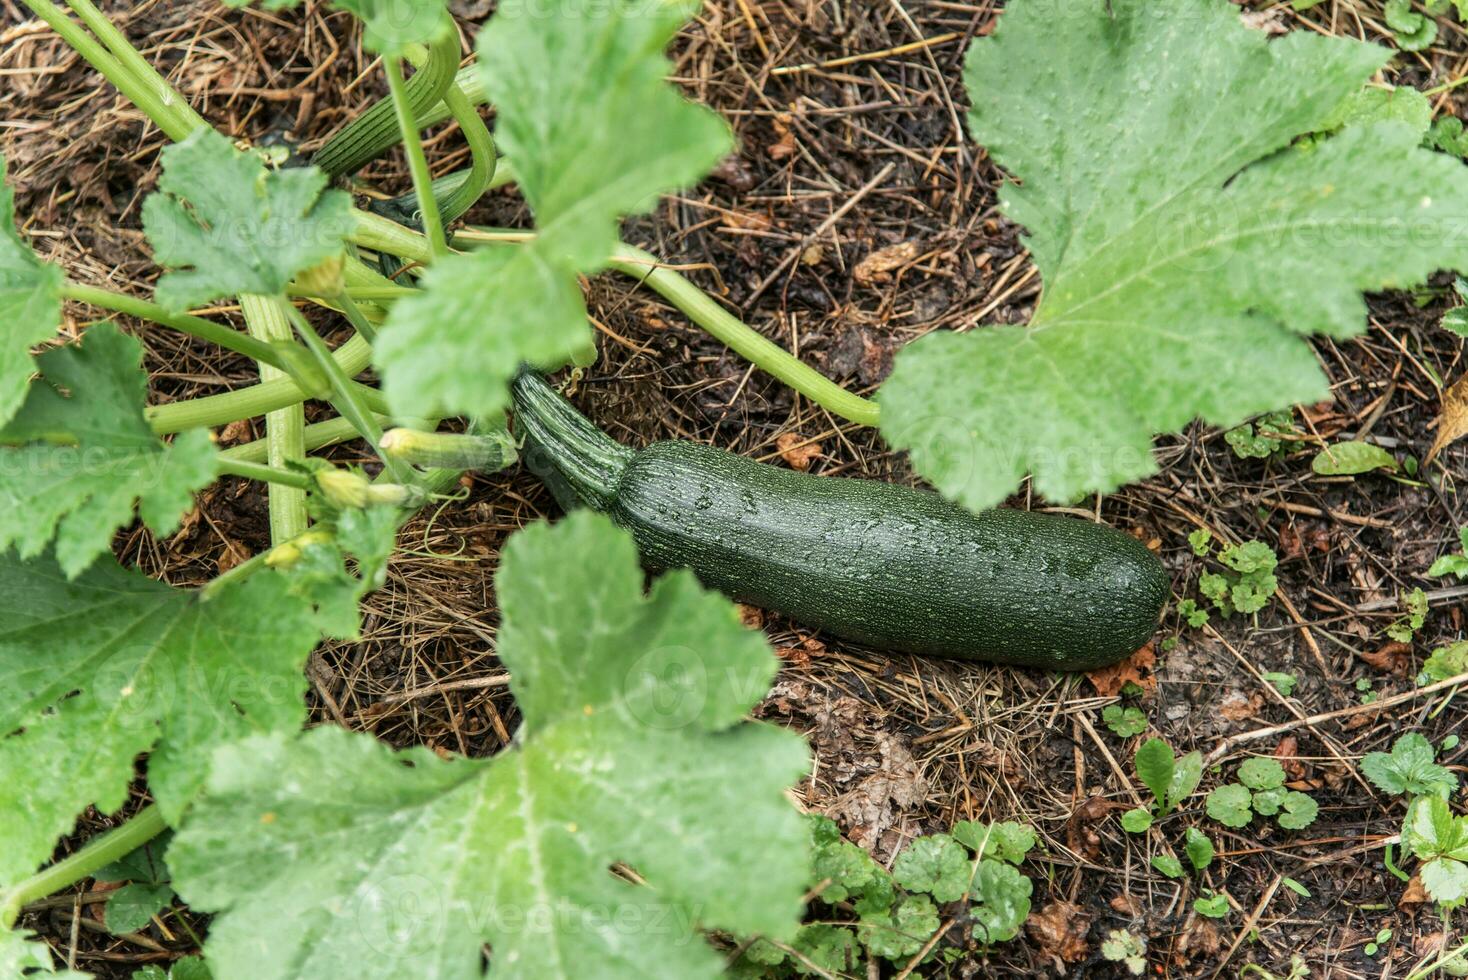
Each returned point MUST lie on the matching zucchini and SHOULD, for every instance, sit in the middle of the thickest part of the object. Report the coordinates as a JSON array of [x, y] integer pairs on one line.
[[887, 566]]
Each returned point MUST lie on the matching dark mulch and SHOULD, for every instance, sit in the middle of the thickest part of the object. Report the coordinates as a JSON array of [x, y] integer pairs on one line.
[[903, 746]]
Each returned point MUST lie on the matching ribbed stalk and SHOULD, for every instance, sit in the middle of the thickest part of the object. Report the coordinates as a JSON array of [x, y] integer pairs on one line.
[[470, 81], [267, 318], [482, 156], [246, 403], [561, 442], [375, 131], [134, 62], [318, 436], [96, 854]]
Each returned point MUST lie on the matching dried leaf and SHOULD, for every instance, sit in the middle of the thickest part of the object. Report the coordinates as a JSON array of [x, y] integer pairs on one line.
[[1124, 904], [1237, 707], [1288, 754], [783, 147], [1136, 669], [1414, 894], [879, 266], [1080, 834], [1060, 929], [798, 451], [1452, 424], [1393, 657]]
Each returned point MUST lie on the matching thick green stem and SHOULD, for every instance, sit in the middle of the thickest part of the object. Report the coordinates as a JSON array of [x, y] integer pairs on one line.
[[358, 294], [375, 131], [728, 329], [175, 120], [134, 62], [364, 327], [483, 158], [754, 347], [417, 161], [268, 318], [246, 403], [264, 474], [194, 326], [318, 435], [99, 852], [384, 235], [348, 399], [470, 81]]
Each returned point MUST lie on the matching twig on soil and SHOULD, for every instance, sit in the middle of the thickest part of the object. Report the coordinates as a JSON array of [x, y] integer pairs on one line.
[[429, 690], [1233, 741], [1339, 515], [821, 229], [1325, 740], [901, 49], [1249, 924], [1436, 595]]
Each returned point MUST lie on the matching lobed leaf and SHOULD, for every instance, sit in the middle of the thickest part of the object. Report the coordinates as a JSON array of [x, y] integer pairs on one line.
[[110, 664], [632, 750], [936, 864], [1229, 805], [226, 225], [1410, 768], [1001, 902], [30, 305], [596, 133], [81, 455], [1185, 253], [845, 869]]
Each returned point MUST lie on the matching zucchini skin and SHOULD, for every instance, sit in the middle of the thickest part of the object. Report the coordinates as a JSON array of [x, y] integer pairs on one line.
[[888, 566]]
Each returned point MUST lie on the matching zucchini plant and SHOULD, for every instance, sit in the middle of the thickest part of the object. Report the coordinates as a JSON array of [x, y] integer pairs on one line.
[[1185, 255]]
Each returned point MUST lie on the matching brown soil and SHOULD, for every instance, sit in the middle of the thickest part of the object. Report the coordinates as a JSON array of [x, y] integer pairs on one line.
[[903, 746]]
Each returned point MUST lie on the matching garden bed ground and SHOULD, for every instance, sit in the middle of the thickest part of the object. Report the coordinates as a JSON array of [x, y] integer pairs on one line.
[[855, 217]]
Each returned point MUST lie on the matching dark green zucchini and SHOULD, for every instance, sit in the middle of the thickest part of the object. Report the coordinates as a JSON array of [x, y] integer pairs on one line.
[[885, 565]]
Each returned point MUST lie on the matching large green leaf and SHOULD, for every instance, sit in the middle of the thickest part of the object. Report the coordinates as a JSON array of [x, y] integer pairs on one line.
[[30, 305], [80, 455], [112, 664], [226, 225], [596, 133], [1184, 245], [632, 751]]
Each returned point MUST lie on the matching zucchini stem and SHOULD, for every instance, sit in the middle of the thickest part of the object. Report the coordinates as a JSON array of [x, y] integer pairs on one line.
[[133, 60], [99, 852], [349, 396], [564, 445], [739, 337], [175, 120], [195, 326], [382, 234], [264, 474], [246, 403], [417, 161], [268, 318], [723, 326], [318, 435], [483, 160]]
